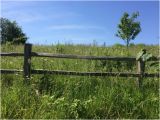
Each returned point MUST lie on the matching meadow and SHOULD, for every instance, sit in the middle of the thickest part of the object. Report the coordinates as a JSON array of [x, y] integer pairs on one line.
[[78, 97]]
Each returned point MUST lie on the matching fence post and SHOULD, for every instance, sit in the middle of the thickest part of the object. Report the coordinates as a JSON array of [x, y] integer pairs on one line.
[[140, 70], [27, 61]]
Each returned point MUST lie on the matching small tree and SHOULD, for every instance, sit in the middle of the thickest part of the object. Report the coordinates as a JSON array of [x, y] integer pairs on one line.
[[11, 32], [128, 28]]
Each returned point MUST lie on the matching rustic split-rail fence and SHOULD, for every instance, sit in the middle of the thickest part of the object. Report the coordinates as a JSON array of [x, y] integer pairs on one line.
[[28, 54]]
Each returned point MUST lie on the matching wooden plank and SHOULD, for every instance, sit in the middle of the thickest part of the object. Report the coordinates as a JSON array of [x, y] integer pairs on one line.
[[12, 54], [77, 73], [151, 75], [10, 71], [70, 56], [60, 72], [27, 60], [140, 70]]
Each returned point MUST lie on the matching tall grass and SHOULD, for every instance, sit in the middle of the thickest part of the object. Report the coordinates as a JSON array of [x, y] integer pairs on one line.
[[85, 97]]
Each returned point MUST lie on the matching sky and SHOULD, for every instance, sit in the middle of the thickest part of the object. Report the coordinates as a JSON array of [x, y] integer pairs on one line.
[[81, 22]]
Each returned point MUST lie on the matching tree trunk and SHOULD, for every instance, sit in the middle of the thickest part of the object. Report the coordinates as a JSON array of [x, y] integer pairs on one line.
[[127, 44]]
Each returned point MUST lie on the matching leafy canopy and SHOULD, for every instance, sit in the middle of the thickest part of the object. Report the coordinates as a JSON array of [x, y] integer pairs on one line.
[[11, 32], [128, 28]]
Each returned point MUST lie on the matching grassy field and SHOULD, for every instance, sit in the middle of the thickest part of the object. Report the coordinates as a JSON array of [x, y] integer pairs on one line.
[[57, 96]]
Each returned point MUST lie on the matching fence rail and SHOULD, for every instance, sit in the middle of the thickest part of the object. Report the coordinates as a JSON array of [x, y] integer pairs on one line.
[[78, 73], [70, 56], [9, 71], [28, 54], [12, 54]]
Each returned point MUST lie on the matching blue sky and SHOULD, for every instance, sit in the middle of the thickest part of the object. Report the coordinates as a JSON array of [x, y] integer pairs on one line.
[[81, 22]]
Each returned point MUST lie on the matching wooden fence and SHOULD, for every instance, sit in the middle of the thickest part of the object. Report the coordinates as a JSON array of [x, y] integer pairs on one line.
[[140, 73]]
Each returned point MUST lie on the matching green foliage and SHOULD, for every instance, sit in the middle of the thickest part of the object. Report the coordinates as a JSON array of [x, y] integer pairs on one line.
[[144, 56], [141, 54], [128, 28], [147, 57], [59, 48], [78, 97], [156, 65], [118, 45], [141, 45], [11, 32], [131, 44], [45, 85]]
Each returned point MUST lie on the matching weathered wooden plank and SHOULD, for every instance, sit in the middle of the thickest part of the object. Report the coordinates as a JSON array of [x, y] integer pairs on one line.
[[27, 60], [10, 71], [60, 72], [12, 54], [140, 70], [151, 75], [63, 72], [70, 56], [83, 57], [77, 73]]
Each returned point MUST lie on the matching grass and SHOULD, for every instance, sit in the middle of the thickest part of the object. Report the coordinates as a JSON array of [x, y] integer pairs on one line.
[[85, 97]]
